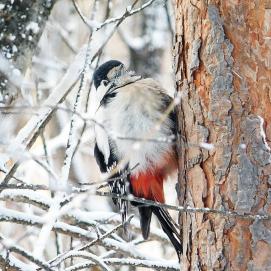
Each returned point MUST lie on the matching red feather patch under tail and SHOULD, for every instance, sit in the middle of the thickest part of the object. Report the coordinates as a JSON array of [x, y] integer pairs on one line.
[[148, 185]]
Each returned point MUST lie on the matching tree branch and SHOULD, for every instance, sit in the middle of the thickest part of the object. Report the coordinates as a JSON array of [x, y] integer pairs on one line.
[[187, 209]]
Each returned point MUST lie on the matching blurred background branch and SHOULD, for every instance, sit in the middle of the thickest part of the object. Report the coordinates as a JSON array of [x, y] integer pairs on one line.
[[49, 51]]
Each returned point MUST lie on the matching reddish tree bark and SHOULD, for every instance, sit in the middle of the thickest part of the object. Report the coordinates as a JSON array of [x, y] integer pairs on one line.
[[223, 72]]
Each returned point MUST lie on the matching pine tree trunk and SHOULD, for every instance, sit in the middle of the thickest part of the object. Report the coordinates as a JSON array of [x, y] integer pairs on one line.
[[223, 73]]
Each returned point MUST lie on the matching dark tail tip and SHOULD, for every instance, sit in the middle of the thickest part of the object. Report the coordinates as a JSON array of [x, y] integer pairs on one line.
[[145, 220], [169, 228]]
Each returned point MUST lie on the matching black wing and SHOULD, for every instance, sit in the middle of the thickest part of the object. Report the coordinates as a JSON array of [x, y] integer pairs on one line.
[[167, 102], [101, 161]]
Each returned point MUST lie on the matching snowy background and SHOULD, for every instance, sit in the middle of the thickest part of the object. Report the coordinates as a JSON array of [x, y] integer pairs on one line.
[[50, 205]]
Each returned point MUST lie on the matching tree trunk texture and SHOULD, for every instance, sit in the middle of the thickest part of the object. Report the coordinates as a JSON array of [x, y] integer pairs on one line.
[[223, 73], [21, 25]]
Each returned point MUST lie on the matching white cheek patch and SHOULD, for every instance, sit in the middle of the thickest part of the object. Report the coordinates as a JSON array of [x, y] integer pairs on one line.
[[100, 131], [100, 92]]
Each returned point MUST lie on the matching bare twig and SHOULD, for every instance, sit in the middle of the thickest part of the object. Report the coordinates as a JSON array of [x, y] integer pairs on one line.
[[128, 12], [82, 16]]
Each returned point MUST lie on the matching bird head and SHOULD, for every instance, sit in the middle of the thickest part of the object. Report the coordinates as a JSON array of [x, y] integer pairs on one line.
[[113, 72], [108, 72]]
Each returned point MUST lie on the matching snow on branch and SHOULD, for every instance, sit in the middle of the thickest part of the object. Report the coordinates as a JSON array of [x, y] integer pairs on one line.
[[13, 216], [10, 263], [155, 265], [26, 196], [130, 10], [75, 251], [28, 134], [11, 247]]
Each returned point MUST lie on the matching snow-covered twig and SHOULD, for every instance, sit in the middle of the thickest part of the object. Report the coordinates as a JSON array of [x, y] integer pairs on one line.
[[28, 134], [10, 263], [73, 252], [29, 257], [96, 260], [13, 216], [128, 12], [26, 196], [20, 185], [71, 144], [75, 217], [155, 265], [72, 139], [9, 246], [93, 25]]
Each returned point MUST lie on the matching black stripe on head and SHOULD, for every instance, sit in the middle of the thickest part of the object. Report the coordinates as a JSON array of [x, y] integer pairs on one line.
[[101, 73]]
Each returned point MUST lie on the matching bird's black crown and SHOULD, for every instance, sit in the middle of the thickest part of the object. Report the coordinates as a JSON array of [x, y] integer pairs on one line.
[[101, 73]]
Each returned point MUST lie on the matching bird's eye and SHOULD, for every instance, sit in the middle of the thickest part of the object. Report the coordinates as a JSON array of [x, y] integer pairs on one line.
[[105, 82]]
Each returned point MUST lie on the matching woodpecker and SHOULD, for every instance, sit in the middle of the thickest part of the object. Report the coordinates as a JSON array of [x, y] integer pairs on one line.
[[134, 125]]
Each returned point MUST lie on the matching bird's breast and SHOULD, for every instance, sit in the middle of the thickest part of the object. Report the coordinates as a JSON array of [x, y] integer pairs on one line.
[[136, 127]]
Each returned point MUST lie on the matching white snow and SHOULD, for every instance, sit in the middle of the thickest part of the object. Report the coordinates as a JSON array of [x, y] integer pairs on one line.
[[17, 263], [3, 161], [12, 37], [14, 49], [33, 26], [263, 133], [243, 146], [26, 193], [207, 146]]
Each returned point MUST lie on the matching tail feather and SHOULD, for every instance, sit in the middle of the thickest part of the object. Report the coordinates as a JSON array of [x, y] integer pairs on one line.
[[145, 220], [169, 228]]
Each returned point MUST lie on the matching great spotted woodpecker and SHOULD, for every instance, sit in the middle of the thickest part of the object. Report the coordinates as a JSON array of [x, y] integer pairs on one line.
[[133, 112]]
